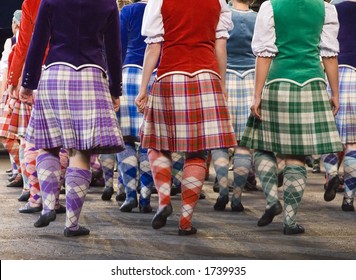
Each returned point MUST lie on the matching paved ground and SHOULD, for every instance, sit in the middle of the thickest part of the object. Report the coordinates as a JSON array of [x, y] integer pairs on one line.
[[330, 232]]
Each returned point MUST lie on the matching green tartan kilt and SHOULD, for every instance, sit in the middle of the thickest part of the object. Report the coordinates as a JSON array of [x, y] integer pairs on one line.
[[295, 121]]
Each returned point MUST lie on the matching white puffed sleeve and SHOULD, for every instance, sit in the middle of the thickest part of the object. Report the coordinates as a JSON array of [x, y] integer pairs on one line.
[[329, 45], [264, 37], [225, 23], [152, 22]]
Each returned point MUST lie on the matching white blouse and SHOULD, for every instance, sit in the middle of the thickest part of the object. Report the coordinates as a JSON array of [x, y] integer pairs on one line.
[[264, 38], [152, 23]]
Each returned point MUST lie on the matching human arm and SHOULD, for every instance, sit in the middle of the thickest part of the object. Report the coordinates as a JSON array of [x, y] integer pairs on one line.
[[124, 30], [114, 59], [331, 70], [262, 67], [25, 34], [264, 47], [36, 51], [220, 52], [152, 54]]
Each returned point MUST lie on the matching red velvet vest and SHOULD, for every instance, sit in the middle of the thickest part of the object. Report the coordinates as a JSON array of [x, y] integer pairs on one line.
[[190, 33]]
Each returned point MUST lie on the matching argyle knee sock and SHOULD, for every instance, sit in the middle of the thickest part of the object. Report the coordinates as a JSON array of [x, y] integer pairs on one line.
[[193, 178], [242, 165], [295, 178], [77, 185], [330, 162], [49, 174], [26, 186], [220, 159], [31, 154], [64, 160], [13, 148], [177, 169], [108, 164], [266, 169], [95, 164], [128, 165], [349, 176], [161, 166], [13, 165], [146, 178]]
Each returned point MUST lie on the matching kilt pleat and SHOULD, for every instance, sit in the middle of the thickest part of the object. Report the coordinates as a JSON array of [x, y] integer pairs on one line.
[[14, 125], [187, 114], [130, 120], [295, 121], [73, 110], [346, 117], [239, 88]]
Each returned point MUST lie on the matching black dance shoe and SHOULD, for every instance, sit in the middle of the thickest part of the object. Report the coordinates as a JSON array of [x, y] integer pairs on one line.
[[80, 231], [145, 209], [295, 230], [183, 232], [107, 193], [128, 205], [269, 214], [347, 207], [332, 186], [61, 209], [120, 197], [27, 209], [45, 219], [221, 202], [15, 184], [237, 207], [160, 218], [24, 196]]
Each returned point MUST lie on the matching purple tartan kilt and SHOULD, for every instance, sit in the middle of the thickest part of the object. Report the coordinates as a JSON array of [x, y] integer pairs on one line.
[[346, 117], [187, 114], [73, 110]]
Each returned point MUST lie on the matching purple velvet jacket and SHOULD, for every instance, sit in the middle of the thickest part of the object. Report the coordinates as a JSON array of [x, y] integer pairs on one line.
[[80, 33], [347, 35]]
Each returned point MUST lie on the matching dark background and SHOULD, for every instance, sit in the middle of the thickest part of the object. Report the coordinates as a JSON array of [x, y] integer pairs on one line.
[[7, 9]]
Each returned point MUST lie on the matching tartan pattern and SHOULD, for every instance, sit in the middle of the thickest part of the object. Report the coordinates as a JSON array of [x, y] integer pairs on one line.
[[49, 175], [220, 159], [350, 176], [77, 185], [15, 117], [129, 118], [240, 89], [187, 114], [73, 109], [295, 121], [346, 117], [161, 167], [242, 166], [266, 169], [192, 183], [295, 178]]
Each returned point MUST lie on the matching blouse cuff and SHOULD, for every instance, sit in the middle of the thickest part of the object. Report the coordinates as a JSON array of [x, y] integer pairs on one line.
[[265, 54], [328, 53], [153, 40], [222, 34]]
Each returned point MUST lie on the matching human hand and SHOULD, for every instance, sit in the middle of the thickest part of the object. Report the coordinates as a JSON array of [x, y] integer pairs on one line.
[[26, 95], [116, 103], [141, 101], [335, 104], [256, 108]]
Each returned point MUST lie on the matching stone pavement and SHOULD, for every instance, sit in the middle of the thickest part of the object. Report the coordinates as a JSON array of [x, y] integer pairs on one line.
[[330, 232]]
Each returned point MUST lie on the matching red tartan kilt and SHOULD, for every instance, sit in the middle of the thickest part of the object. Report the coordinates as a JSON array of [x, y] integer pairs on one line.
[[187, 114]]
